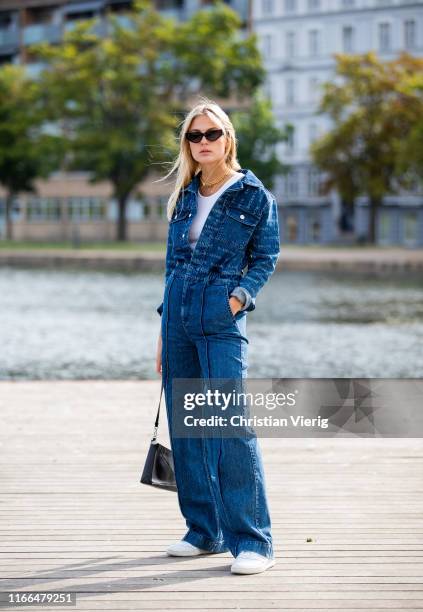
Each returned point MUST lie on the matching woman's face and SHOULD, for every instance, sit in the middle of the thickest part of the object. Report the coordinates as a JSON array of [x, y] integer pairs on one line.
[[206, 152]]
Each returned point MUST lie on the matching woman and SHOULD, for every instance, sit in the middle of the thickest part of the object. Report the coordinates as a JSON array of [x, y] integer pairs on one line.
[[221, 220]]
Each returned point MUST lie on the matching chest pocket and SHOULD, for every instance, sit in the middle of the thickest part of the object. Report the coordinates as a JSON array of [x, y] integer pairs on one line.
[[237, 227], [179, 229]]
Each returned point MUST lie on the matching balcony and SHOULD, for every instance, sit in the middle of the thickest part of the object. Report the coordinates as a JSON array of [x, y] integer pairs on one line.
[[99, 27], [86, 9], [9, 38], [173, 13], [42, 32], [124, 21]]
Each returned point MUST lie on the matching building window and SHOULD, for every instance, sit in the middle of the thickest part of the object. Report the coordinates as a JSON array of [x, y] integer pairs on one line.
[[313, 181], [314, 227], [81, 16], [161, 207], [313, 90], [267, 45], [43, 209], [314, 42], [141, 210], [86, 209], [312, 132], [347, 39], [291, 228], [290, 44], [274, 90], [6, 20], [290, 6], [122, 7], [384, 227], [16, 211], [410, 34], [175, 4], [267, 7], [292, 183], [290, 92], [290, 142], [267, 88], [410, 222], [147, 210], [384, 36], [313, 5], [39, 15]]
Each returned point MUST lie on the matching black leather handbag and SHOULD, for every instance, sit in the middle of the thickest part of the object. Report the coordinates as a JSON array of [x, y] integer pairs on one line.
[[159, 469]]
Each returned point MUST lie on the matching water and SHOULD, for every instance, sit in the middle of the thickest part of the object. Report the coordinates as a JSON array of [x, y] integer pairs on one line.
[[85, 325]]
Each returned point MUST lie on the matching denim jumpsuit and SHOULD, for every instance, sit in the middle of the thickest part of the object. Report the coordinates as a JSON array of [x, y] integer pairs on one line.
[[220, 481]]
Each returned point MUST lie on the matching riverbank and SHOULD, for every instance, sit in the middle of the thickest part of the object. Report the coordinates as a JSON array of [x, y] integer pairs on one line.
[[151, 259]]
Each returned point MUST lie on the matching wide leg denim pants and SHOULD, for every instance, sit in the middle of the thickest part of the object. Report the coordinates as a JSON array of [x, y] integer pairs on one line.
[[220, 481]]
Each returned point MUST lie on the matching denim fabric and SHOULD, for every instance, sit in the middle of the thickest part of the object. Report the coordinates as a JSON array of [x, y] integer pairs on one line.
[[220, 481], [241, 230]]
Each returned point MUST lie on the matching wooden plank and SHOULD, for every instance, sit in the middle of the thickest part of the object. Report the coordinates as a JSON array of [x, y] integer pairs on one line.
[[73, 515]]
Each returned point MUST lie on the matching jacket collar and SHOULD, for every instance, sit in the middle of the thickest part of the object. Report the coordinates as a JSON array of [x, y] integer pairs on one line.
[[248, 179]]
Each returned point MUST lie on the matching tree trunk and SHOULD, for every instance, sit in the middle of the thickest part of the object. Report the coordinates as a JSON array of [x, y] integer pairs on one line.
[[346, 222], [374, 206], [8, 216], [121, 223]]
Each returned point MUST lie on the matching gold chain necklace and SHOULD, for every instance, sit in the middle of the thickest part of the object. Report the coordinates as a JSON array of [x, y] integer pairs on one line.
[[206, 184]]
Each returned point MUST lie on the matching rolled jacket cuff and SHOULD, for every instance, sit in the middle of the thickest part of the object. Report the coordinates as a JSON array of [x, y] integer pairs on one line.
[[243, 296]]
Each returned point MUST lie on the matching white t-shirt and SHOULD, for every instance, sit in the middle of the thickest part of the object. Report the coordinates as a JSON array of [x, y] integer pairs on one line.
[[204, 206]]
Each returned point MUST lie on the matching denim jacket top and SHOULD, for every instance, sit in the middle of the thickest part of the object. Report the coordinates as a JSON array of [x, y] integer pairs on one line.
[[241, 230]]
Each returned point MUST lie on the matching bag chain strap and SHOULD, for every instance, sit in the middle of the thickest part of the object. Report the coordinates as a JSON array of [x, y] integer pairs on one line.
[[156, 423]]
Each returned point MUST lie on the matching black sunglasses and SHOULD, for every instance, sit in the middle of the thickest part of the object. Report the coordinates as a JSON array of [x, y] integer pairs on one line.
[[211, 135]]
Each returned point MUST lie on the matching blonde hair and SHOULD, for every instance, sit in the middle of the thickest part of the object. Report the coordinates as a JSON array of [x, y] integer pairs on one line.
[[185, 165]]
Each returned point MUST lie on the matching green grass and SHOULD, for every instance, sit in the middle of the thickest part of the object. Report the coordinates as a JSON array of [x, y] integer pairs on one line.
[[379, 247], [107, 246]]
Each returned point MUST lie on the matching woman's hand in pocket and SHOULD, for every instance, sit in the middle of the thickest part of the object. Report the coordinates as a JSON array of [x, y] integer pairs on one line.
[[235, 305]]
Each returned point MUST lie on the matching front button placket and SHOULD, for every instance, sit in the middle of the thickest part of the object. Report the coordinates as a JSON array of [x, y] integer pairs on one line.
[[217, 207], [196, 263]]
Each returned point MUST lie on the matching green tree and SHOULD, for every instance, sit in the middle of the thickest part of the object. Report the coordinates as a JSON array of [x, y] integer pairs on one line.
[[367, 106], [119, 97], [334, 154], [410, 105], [257, 137], [27, 150]]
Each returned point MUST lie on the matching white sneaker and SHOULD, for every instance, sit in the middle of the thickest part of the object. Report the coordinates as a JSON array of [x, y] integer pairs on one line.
[[250, 562], [185, 549]]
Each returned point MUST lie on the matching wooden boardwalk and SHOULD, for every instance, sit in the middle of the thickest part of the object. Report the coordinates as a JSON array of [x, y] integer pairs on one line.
[[74, 516]]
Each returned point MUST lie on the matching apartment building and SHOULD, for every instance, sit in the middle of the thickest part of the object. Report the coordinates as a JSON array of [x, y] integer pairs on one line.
[[67, 206], [25, 22], [298, 39]]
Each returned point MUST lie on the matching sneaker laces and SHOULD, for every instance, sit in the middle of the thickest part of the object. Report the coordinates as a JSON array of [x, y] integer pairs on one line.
[[250, 554]]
